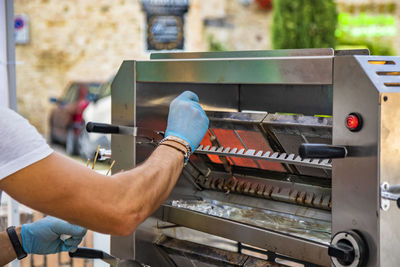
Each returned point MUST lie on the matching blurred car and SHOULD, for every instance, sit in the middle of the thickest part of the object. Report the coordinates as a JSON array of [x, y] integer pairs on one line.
[[66, 120], [97, 111]]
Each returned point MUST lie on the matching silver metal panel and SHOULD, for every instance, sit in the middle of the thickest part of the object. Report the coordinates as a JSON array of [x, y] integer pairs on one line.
[[279, 70], [373, 71], [300, 99], [270, 240], [293, 130], [146, 235], [153, 101], [390, 172], [355, 182], [153, 230], [350, 52], [244, 54], [123, 146]]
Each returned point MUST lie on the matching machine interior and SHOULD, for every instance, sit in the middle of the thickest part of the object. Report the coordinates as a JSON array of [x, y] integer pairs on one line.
[[248, 161], [254, 154]]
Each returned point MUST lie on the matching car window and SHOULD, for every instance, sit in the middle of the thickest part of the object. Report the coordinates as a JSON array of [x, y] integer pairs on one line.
[[94, 88], [71, 94]]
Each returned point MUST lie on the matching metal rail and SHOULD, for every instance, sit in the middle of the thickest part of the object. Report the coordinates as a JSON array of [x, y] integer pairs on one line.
[[260, 155], [273, 241]]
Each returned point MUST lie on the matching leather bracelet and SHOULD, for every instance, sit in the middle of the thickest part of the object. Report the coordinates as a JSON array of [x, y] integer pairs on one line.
[[180, 141], [173, 146], [178, 146], [19, 250]]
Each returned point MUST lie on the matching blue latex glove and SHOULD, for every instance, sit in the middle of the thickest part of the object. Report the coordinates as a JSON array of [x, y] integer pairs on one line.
[[43, 237], [187, 120]]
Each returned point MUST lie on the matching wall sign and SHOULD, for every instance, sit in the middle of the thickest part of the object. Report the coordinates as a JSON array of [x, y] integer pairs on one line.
[[165, 23], [21, 29]]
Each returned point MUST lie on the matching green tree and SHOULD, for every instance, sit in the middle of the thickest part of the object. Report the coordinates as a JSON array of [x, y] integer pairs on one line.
[[304, 24]]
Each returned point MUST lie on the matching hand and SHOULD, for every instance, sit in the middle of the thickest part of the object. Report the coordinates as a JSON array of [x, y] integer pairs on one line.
[[187, 120], [43, 237]]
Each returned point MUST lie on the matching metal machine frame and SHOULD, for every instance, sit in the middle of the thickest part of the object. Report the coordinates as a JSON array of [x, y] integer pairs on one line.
[[309, 82]]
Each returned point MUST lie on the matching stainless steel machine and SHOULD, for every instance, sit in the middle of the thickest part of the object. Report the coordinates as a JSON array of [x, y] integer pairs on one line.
[[247, 197]]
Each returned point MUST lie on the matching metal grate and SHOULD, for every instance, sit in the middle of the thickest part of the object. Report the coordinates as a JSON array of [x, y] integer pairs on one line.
[[260, 155]]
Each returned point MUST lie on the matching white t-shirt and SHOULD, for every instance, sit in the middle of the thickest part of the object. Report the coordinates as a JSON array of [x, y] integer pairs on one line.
[[20, 143]]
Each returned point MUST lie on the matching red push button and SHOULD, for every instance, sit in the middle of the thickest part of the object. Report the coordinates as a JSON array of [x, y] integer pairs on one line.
[[354, 122]]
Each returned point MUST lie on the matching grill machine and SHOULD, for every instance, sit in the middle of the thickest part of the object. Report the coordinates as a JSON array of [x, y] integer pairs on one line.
[[247, 198]]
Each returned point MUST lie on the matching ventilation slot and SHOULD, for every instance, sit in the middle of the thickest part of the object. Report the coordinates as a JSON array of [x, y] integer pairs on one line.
[[392, 84], [381, 62], [388, 73]]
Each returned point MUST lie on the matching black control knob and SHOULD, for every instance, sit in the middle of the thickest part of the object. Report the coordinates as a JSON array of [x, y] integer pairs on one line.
[[348, 249], [343, 251], [322, 151]]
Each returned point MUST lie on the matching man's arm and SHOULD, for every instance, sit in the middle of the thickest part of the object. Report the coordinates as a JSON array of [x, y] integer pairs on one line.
[[116, 205], [7, 253], [63, 188]]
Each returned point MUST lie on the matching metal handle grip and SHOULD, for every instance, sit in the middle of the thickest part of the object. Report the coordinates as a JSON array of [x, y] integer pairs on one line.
[[322, 151], [87, 253], [96, 127]]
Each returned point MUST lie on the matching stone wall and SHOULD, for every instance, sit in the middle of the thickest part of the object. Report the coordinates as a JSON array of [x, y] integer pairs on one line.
[[85, 40], [72, 40]]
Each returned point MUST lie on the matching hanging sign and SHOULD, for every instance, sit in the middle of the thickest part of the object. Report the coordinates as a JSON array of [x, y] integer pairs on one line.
[[165, 23]]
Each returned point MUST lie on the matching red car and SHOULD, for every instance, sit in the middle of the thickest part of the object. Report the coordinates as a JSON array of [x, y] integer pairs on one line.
[[66, 120]]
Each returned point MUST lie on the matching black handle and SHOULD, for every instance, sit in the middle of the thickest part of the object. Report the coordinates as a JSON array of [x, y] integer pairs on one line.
[[87, 253], [96, 127], [343, 252], [322, 151]]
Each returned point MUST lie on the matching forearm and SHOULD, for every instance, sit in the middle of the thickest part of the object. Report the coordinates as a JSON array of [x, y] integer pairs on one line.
[[61, 187], [153, 180], [135, 194], [7, 252], [118, 204]]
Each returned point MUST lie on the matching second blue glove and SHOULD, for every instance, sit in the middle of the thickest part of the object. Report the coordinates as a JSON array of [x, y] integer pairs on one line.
[[43, 237]]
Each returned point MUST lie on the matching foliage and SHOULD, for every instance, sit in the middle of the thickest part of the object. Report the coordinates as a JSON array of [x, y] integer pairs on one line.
[[304, 24], [363, 19], [215, 45], [375, 32]]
